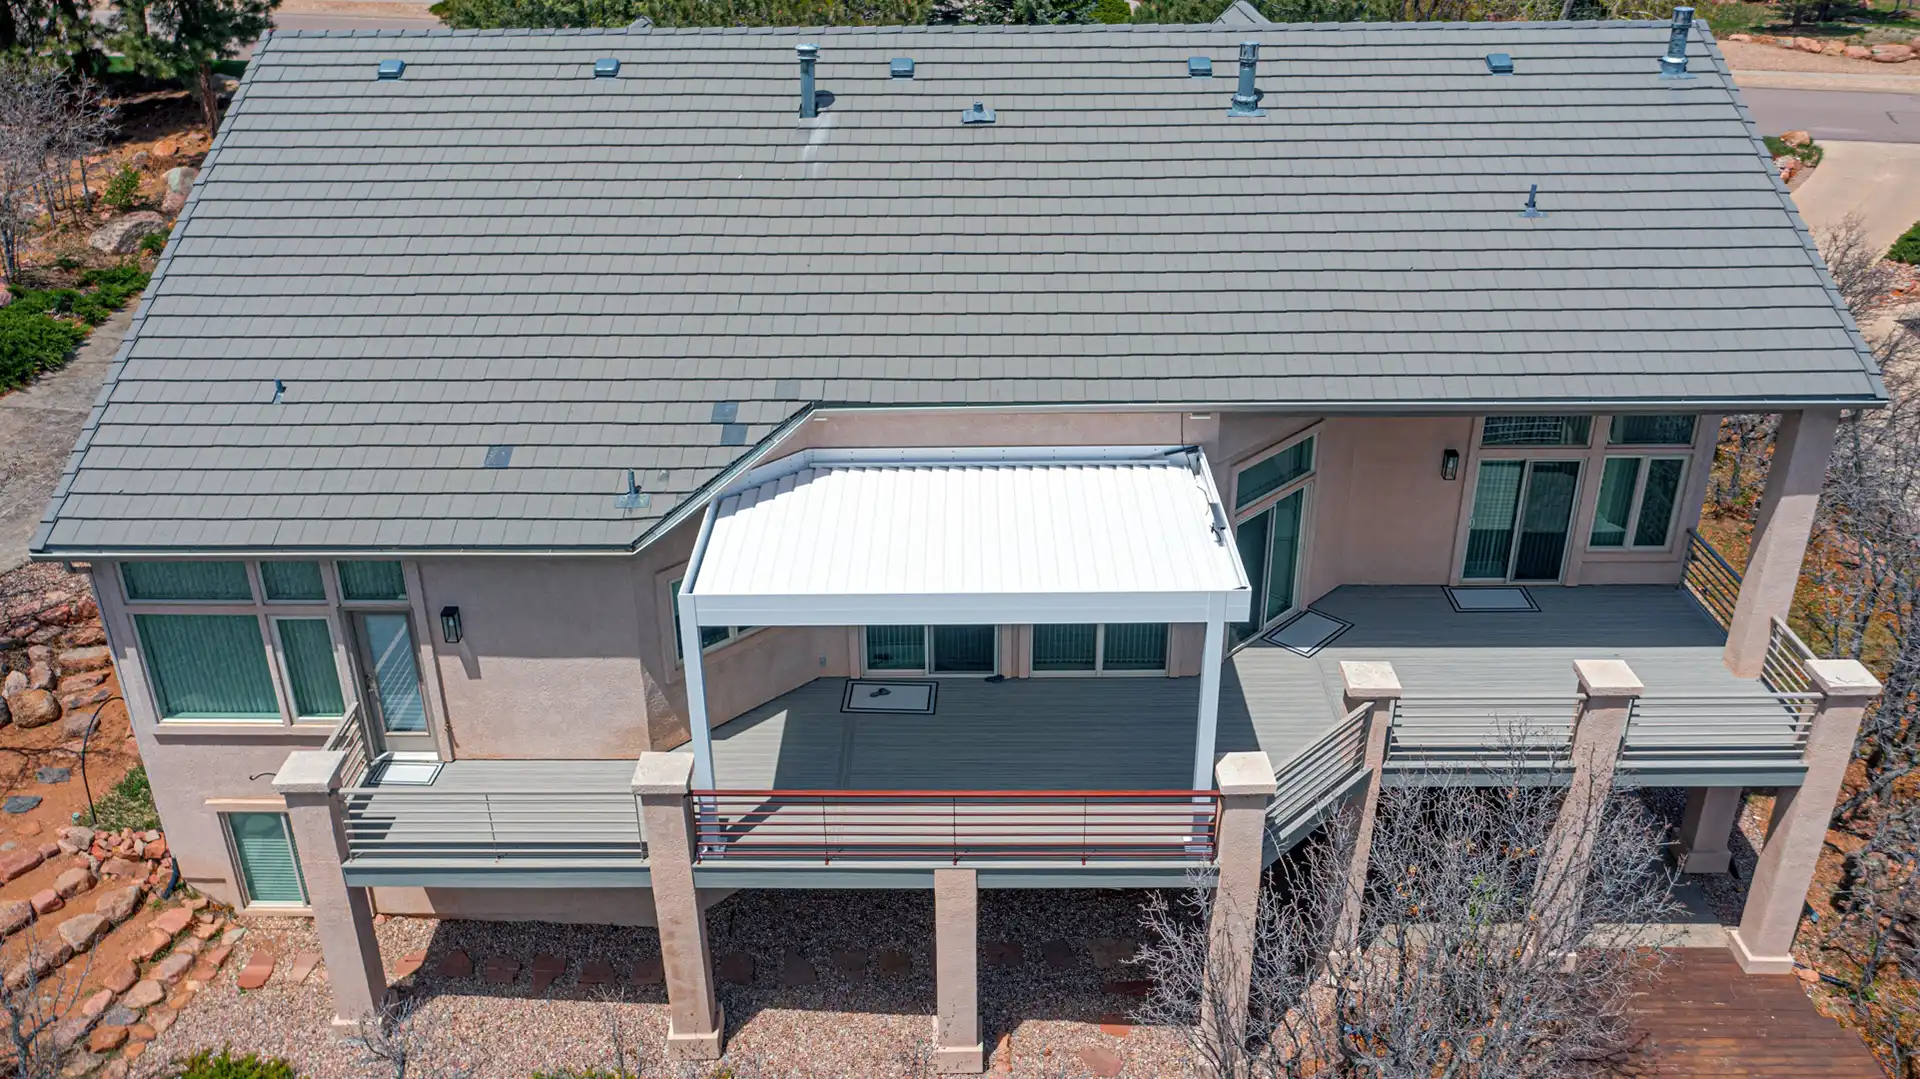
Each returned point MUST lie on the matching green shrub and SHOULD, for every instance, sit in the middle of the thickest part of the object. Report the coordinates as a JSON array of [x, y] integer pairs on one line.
[[129, 804], [32, 342], [1811, 153], [1907, 248], [1112, 11], [154, 242], [206, 1065], [123, 190]]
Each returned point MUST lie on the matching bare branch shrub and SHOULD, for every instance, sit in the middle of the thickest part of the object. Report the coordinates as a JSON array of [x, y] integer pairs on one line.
[[34, 1005], [1453, 970], [394, 1043], [49, 123], [1872, 945]]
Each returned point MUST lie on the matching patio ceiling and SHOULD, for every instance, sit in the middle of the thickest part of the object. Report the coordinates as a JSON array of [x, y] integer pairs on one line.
[[847, 537]]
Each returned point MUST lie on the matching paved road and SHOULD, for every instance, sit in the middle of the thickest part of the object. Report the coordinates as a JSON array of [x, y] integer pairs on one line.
[[1847, 117]]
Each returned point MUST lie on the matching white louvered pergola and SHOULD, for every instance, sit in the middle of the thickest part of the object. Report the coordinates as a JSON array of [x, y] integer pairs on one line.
[[974, 536]]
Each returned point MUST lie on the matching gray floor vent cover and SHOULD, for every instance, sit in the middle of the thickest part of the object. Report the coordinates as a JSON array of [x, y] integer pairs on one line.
[[864, 695], [1307, 632], [404, 773], [1476, 600]]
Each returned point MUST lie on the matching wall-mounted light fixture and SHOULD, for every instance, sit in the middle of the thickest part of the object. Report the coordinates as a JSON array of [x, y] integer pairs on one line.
[[450, 624], [1450, 464]]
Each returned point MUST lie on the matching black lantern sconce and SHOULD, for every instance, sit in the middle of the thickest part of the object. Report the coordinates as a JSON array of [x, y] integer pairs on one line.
[[1450, 465], [450, 624]]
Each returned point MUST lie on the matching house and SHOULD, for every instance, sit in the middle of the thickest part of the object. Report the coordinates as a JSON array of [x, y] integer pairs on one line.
[[572, 475]]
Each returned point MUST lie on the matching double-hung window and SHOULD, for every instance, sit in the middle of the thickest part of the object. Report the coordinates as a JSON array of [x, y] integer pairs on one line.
[[1269, 513]]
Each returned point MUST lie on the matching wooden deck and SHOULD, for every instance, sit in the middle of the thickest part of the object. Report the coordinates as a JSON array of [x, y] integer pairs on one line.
[[1705, 1019]]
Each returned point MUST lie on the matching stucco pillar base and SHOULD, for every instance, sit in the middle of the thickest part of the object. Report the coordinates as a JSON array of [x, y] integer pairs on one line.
[[958, 1059], [697, 1046], [1706, 830], [1756, 964]]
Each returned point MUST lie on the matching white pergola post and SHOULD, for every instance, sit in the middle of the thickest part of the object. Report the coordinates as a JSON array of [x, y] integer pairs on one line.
[[1212, 657], [697, 728]]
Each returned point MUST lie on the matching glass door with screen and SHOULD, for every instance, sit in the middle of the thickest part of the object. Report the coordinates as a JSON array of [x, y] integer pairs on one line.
[[390, 676], [1522, 511], [1269, 543]]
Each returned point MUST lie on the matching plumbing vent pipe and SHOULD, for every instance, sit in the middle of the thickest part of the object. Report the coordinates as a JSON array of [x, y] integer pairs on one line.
[[1246, 102], [1674, 64], [809, 104]]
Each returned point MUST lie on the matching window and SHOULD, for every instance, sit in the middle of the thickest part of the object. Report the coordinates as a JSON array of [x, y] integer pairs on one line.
[[1650, 431], [191, 581], [207, 666], [711, 637], [1262, 478], [1637, 499], [1522, 510], [293, 582], [313, 681], [1536, 430], [269, 865], [1269, 532], [372, 581], [933, 649], [1131, 647]]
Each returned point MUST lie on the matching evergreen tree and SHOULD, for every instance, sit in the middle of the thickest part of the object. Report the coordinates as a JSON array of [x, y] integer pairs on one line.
[[182, 39]]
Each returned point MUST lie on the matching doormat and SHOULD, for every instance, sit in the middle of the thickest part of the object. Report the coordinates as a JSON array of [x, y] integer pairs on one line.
[[404, 773], [1307, 633], [915, 698], [1478, 600]]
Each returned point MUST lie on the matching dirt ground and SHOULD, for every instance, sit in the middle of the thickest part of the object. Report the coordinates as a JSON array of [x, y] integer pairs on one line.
[[1753, 56]]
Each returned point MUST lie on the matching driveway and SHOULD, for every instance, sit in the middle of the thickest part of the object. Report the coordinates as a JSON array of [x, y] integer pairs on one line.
[[38, 426]]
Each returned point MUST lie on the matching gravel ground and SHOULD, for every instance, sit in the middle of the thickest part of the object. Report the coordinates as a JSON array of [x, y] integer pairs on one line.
[[871, 1026], [1726, 894]]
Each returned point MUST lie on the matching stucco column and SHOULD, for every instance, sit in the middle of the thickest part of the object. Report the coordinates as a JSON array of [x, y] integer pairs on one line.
[[1764, 941], [1610, 687], [1706, 830], [342, 915], [957, 1048], [661, 782], [1246, 788], [1378, 687], [1801, 450]]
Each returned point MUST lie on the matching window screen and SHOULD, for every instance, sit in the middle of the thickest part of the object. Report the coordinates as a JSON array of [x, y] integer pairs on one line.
[[372, 580], [896, 648], [269, 865], [1135, 646], [1536, 430], [154, 581], [207, 666], [293, 581]]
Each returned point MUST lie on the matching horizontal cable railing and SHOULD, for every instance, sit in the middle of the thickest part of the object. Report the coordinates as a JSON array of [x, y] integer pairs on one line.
[[428, 823], [1316, 771], [1711, 579], [954, 827], [1482, 728], [350, 737], [1718, 731], [1784, 669]]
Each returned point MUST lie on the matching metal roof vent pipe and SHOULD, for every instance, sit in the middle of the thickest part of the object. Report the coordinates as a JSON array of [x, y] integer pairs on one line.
[[809, 103], [1674, 64], [1246, 101]]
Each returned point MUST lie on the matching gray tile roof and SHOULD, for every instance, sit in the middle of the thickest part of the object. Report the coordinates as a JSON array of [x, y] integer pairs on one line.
[[500, 249]]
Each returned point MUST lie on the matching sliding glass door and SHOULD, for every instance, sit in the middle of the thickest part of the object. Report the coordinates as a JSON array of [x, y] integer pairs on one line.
[[1522, 511], [932, 649], [1269, 543]]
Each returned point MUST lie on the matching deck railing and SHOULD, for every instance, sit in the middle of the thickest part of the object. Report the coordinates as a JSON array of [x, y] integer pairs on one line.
[[1784, 670], [1711, 579], [526, 828], [1711, 731], [350, 737], [1482, 729], [955, 827], [1309, 776]]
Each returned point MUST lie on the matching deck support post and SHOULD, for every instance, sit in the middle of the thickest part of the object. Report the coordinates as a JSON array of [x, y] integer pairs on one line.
[[309, 782], [699, 731], [1706, 830], [1801, 450], [661, 782], [1246, 786], [1763, 943], [1213, 656], [1610, 688], [1378, 687], [957, 1047]]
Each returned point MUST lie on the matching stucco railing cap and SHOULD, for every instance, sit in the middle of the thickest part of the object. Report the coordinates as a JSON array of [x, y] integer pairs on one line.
[[1244, 773], [663, 773], [310, 771], [1607, 678], [1843, 678], [1370, 680]]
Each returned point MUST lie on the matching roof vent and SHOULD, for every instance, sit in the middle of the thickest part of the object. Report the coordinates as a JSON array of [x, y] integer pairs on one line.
[[392, 69], [1246, 101], [1499, 63], [1533, 203], [978, 114], [499, 456], [900, 67], [1674, 64], [631, 496], [606, 68], [1199, 67], [809, 103], [279, 391]]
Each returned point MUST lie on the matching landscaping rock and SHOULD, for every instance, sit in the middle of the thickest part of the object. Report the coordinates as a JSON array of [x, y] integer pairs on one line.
[[141, 158], [118, 904], [46, 901], [122, 236], [122, 867], [83, 680], [455, 964], [1807, 44], [97, 1003], [15, 916], [172, 921], [68, 1032], [121, 977], [258, 969], [106, 1039], [1797, 139], [33, 708], [81, 930], [53, 775], [1892, 54], [144, 994], [122, 1016], [1857, 52], [173, 202], [171, 969], [72, 882], [20, 803], [80, 724], [86, 698], [97, 657], [43, 958], [150, 945], [17, 865], [180, 178], [13, 685]]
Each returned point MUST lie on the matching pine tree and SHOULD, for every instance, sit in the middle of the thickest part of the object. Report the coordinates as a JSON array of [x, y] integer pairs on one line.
[[182, 39]]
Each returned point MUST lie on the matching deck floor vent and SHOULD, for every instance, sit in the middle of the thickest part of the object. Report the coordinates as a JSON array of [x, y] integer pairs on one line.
[[392, 69], [907, 698], [900, 67], [1199, 67], [606, 68], [499, 456], [1480, 600], [1306, 633], [1500, 63]]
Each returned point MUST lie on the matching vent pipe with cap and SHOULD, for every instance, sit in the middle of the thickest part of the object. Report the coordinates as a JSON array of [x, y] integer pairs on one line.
[[1246, 101], [809, 104], [1674, 64]]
